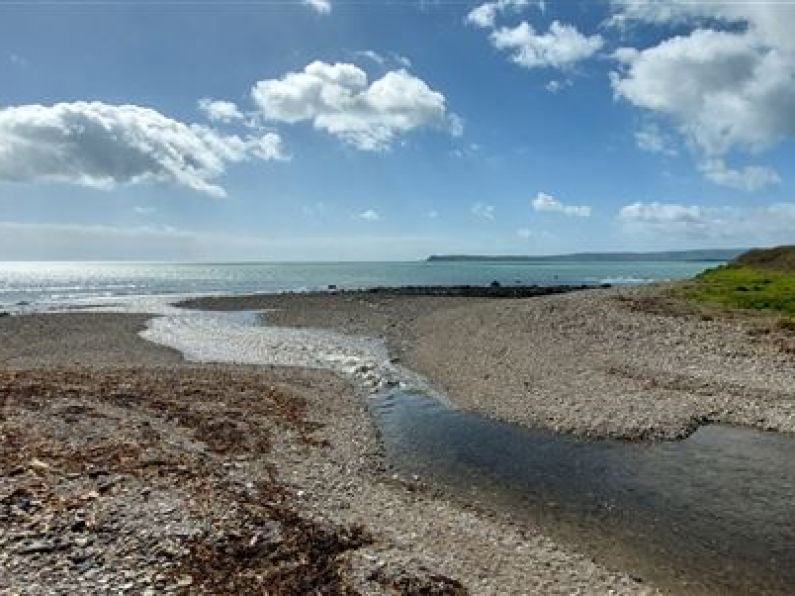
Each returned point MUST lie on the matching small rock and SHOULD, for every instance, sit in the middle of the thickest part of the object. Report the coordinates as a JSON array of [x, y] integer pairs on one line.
[[37, 546], [37, 464]]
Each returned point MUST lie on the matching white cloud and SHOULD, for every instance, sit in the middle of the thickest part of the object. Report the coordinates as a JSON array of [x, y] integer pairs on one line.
[[661, 213], [383, 60], [560, 47], [485, 15], [548, 203], [651, 138], [372, 55], [144, 210], [738, 226], [100, 145], [558, 85], [727, 85], [338, 99], [403, 61], [220, 111], [320, 6], [369, 215], [482, 210], [750, 178]]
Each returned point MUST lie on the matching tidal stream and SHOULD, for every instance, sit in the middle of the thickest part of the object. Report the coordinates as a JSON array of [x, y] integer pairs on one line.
[[712, 514]]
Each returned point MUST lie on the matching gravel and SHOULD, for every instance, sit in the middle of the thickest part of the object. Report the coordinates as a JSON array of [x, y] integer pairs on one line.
[[615, 362], [184, 478]]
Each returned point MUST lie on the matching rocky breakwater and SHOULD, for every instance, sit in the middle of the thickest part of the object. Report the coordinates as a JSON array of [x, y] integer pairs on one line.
[[493, 290]]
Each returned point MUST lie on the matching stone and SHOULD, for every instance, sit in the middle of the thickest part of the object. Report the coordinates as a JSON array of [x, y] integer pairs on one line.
[[37, 546]]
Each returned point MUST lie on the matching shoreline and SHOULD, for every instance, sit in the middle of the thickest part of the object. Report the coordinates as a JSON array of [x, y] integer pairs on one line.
[[605, 363], [337, 481], [174, 422]]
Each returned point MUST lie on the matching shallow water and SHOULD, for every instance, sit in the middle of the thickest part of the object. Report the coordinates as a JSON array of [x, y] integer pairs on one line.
[[239, 337], [714, 513]]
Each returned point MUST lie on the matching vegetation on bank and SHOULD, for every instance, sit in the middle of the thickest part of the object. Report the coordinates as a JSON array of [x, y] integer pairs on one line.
[[780, 258], [761, 280]]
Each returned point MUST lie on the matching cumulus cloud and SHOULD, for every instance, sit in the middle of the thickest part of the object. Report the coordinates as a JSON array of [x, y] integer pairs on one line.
[[339, 99], [100, 145], [369, 215], [220, 111], [560, 47], [482, 211], [320, 6], [729, 84], [772, 224], [485, 15], [547, 203]]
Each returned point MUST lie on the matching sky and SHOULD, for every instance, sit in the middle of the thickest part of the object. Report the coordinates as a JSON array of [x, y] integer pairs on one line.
[[369, 130]]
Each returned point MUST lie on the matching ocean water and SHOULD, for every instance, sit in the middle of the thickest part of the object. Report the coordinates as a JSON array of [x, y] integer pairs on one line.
[[56, 285]]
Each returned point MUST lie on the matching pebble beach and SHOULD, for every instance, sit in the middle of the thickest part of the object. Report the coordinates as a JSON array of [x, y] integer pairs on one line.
[[132, 467]]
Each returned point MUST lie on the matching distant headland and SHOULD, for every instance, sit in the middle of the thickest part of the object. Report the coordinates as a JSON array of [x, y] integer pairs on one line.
[[718, 255]]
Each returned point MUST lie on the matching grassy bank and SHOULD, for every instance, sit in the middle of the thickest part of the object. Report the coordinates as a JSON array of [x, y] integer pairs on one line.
[[745, 287], [761, 280]]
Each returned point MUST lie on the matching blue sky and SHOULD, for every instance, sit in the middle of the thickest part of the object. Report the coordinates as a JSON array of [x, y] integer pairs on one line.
[[366, 130]]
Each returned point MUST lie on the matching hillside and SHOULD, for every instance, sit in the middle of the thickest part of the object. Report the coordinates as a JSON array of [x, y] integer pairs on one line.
[[760, 279], [780, 258]]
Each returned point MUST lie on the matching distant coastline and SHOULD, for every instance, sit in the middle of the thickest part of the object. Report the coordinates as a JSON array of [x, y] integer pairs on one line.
[[717, 255]]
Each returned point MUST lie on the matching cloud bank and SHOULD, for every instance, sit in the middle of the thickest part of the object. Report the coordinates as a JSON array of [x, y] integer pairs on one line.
[[100, 145], [764, 225]]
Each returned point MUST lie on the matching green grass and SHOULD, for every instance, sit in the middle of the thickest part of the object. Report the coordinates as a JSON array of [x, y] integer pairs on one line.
[[744, 287]]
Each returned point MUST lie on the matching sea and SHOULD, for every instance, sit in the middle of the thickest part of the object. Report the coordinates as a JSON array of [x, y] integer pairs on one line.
[[53, 286]]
